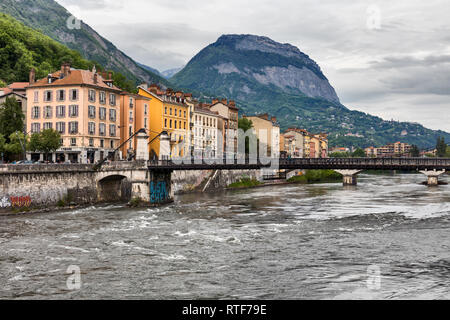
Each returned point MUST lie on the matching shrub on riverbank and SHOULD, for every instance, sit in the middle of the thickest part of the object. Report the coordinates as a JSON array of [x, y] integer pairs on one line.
[[245, 183], [314, 176]]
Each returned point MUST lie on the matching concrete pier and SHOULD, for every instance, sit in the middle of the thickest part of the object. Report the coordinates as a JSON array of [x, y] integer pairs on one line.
[[349, 176], [433, 176]]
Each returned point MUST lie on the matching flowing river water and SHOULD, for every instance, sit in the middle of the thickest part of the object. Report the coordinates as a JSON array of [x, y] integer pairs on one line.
[[387, 238]]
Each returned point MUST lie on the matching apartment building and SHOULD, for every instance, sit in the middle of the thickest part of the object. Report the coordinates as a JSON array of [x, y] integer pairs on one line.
[[18, 91], [397, 149], [268, 132], [169, 112], [83, 106], [206, 132]]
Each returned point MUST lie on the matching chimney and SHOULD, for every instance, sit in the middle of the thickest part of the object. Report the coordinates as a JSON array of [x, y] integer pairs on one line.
[[65, 70], [95, 78], [110, 75], [32, 76], [274, 119], [49, 78], [265, 116], [225, 101], [232, 103], [215, 101]]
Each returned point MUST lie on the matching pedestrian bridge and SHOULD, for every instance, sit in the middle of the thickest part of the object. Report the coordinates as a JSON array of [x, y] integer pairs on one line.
[[348, 167]]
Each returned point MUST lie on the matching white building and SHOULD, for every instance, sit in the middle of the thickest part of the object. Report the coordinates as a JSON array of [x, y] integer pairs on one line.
[[205, 133]]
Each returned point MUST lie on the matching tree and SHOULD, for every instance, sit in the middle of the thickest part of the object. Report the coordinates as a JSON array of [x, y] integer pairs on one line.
[[11, 117], [47, 141], [441, 147], [359, 153], [415, 152], [2, 84], [339, 155]]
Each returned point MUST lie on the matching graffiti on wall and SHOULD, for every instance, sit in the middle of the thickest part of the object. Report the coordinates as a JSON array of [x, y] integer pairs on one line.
[[15, 202], [158, 192]]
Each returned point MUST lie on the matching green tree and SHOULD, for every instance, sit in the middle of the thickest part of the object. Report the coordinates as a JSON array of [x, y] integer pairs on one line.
[[441, 147], [47, 141], [17, 143], [415, 152], [2, 84], [245, 124], [359, 153], [340, 155], [11, 117]]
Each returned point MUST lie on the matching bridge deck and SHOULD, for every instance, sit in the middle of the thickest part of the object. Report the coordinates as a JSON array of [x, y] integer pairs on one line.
[[408, 164]]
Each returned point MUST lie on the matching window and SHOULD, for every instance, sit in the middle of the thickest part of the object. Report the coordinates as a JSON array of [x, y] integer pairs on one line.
[[61, 127], [130, 131], [36, 112], [73, 142], [102, 129], [180, 125], [165, 123], [91, 128], [102, 143], [170, 124], [48, 112], [145, 109], [185, 114], [112, 130], [102, 97], [47, 96], [131, 102], [112, 99], [175, 124], [112, 144], [73, 127], [165, 110], [112, 115], [92, 95], [131, 116], [74, 95], [102, 113], [36, 96], [176, 112], [91, 112], [48, 125], [73, 111], [145, 123], [91, 142], [60, 111], [61, 95], [35, 127], [184, 125], [170, 111]]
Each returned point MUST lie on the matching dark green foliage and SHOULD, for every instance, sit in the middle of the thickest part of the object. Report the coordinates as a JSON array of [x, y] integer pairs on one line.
[[245, 124], [245, 183], [316, 176], [415, 152], [359, 153], [339, 155], [441, 147], [51, 19], [12, 118], [47, 141]]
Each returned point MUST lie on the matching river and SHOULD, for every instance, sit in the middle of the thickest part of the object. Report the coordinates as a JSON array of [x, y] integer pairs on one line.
[[387, 238]]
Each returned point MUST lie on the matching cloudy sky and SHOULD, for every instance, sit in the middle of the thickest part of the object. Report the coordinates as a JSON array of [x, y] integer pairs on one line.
[[388, 58]]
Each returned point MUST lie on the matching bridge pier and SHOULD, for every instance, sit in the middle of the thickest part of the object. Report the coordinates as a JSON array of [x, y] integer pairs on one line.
[[160, 187], [349, 176], [433, 177]]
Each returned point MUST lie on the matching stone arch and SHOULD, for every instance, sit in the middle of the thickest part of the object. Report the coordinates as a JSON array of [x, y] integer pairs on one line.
[[114, 188]]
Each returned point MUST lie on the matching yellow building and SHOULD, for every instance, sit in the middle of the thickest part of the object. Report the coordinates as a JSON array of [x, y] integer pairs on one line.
[[134, 115], [83, 106], [168, 112]]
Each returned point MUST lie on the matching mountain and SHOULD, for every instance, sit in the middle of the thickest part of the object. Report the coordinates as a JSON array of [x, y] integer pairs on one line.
[[265, 76], [23, 48], [153, 70], [53, 20], [171, 72]]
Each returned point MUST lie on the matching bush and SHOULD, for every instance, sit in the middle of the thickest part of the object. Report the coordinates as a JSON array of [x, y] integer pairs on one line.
[[245, 183], [312, 176]]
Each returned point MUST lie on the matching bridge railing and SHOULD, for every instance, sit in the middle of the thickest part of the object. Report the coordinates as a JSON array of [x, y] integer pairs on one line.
[[308, 162]]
